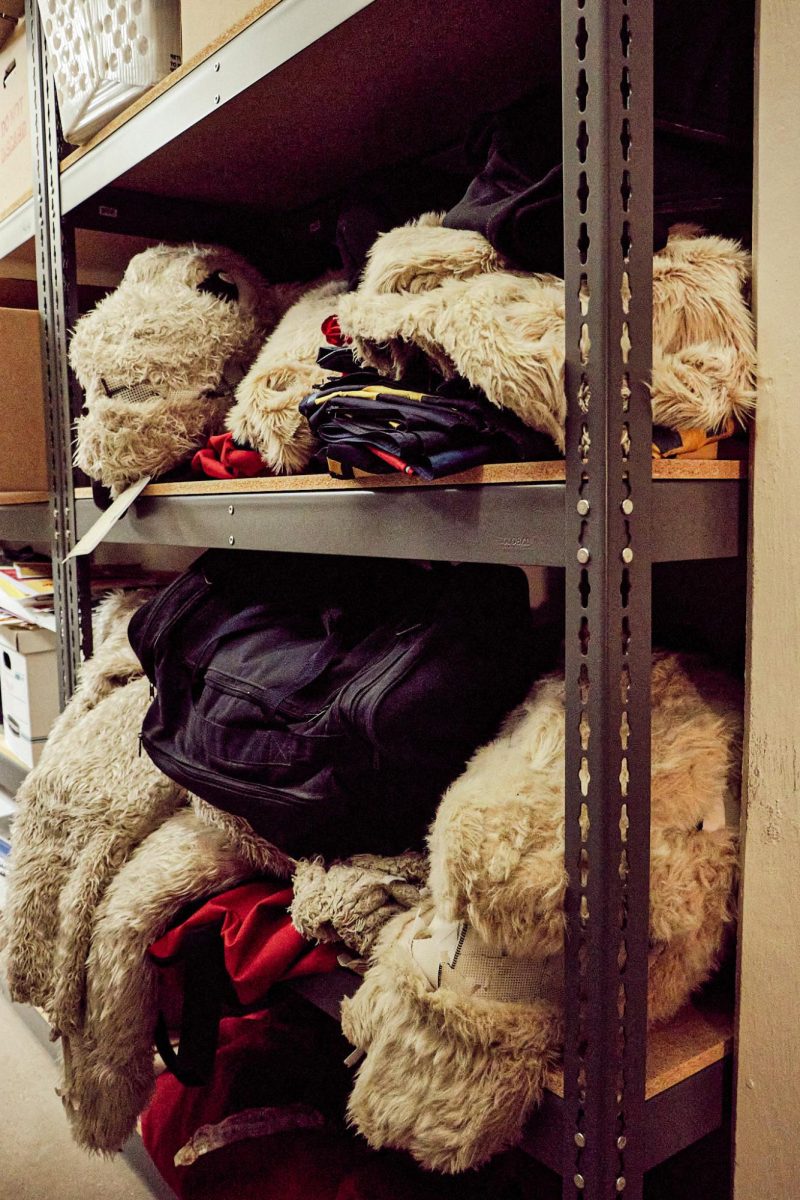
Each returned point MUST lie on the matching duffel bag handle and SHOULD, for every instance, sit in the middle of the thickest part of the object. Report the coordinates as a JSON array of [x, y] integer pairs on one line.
[[205, 983]]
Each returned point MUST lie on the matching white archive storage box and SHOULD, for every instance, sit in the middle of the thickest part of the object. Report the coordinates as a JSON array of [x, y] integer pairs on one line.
[[29, 687], [107, 53]]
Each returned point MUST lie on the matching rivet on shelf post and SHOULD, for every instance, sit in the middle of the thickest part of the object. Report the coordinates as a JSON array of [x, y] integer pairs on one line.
[[627, 507], [583, 555], [580, 1140], [621, 1184], [627, 555], [579, 1181], [583, 507], [231, 540], [230, 509], [622, 1142]]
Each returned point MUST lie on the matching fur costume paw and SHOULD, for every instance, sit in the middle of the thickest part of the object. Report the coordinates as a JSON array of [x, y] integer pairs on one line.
[[422, 255], [449, 1076], [159, 358], [352, 900]]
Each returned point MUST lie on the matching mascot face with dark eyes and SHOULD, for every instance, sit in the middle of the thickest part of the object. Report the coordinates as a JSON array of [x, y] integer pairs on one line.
[[160, 357]]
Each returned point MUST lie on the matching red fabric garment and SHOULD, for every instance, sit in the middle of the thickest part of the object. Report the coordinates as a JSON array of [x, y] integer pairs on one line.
[[287, 1054], [331, 331], [221, 458], [261, 946]]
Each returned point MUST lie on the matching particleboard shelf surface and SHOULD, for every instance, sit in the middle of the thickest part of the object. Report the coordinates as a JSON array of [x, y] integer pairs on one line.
[[537, 472], [696, 1038], [12, 208]]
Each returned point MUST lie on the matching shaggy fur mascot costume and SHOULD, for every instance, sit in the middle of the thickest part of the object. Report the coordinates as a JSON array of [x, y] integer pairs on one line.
[[463, 1002], [159, 358], [106, 851], [447, 295]]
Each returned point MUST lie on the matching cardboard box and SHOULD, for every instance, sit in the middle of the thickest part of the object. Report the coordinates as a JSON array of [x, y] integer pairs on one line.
[[203, 21], [7, 27], [16, 163], [23, 455], [29, 688]]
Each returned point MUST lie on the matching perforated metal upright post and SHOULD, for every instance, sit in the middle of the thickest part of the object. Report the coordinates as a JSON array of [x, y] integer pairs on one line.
[[57, 289], [607, 90]]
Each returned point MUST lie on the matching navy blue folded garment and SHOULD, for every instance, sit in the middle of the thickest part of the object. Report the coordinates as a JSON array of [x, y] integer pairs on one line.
[[370, 425]]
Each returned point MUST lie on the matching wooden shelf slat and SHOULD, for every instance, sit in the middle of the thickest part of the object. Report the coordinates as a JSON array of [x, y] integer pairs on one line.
[[531, 472], [697, 1037], [24, 498]]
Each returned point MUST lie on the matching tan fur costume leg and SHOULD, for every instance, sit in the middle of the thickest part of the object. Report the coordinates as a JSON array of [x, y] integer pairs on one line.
[[109, 1060], [88, 801], [449, 1078], [497, 850]]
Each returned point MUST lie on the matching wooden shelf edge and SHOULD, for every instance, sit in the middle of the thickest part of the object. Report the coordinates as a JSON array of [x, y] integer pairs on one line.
[[23, 498], [535, 472], [694, 1040]]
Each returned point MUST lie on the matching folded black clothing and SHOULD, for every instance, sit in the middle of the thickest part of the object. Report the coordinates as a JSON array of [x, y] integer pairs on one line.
[[371, 425], [516, 197]]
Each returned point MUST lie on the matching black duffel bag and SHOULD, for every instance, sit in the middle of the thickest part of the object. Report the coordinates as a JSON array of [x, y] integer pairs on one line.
[[328, 700]]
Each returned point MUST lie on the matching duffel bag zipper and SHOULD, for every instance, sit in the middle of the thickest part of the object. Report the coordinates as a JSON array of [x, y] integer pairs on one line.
[[164, 599], [384, 667]]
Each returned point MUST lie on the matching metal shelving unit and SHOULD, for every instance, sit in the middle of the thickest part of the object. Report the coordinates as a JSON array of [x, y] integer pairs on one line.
[[606, 522]]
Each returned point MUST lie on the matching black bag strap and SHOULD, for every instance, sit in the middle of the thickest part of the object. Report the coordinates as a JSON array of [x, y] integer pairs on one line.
[[205, 982], [315, 665]]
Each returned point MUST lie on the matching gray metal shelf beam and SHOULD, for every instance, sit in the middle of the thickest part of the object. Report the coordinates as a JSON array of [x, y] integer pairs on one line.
[[26, 522], [515, 523], [267, 44]]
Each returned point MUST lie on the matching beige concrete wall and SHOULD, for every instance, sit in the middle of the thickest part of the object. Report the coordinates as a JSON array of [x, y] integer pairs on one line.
[[767, 1139]]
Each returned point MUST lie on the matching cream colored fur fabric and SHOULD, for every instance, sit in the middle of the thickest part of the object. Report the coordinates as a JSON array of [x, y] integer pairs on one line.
[[105, 853], [497, 862], [183, 349], [352, 900], [447, 295], [266, 414]]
